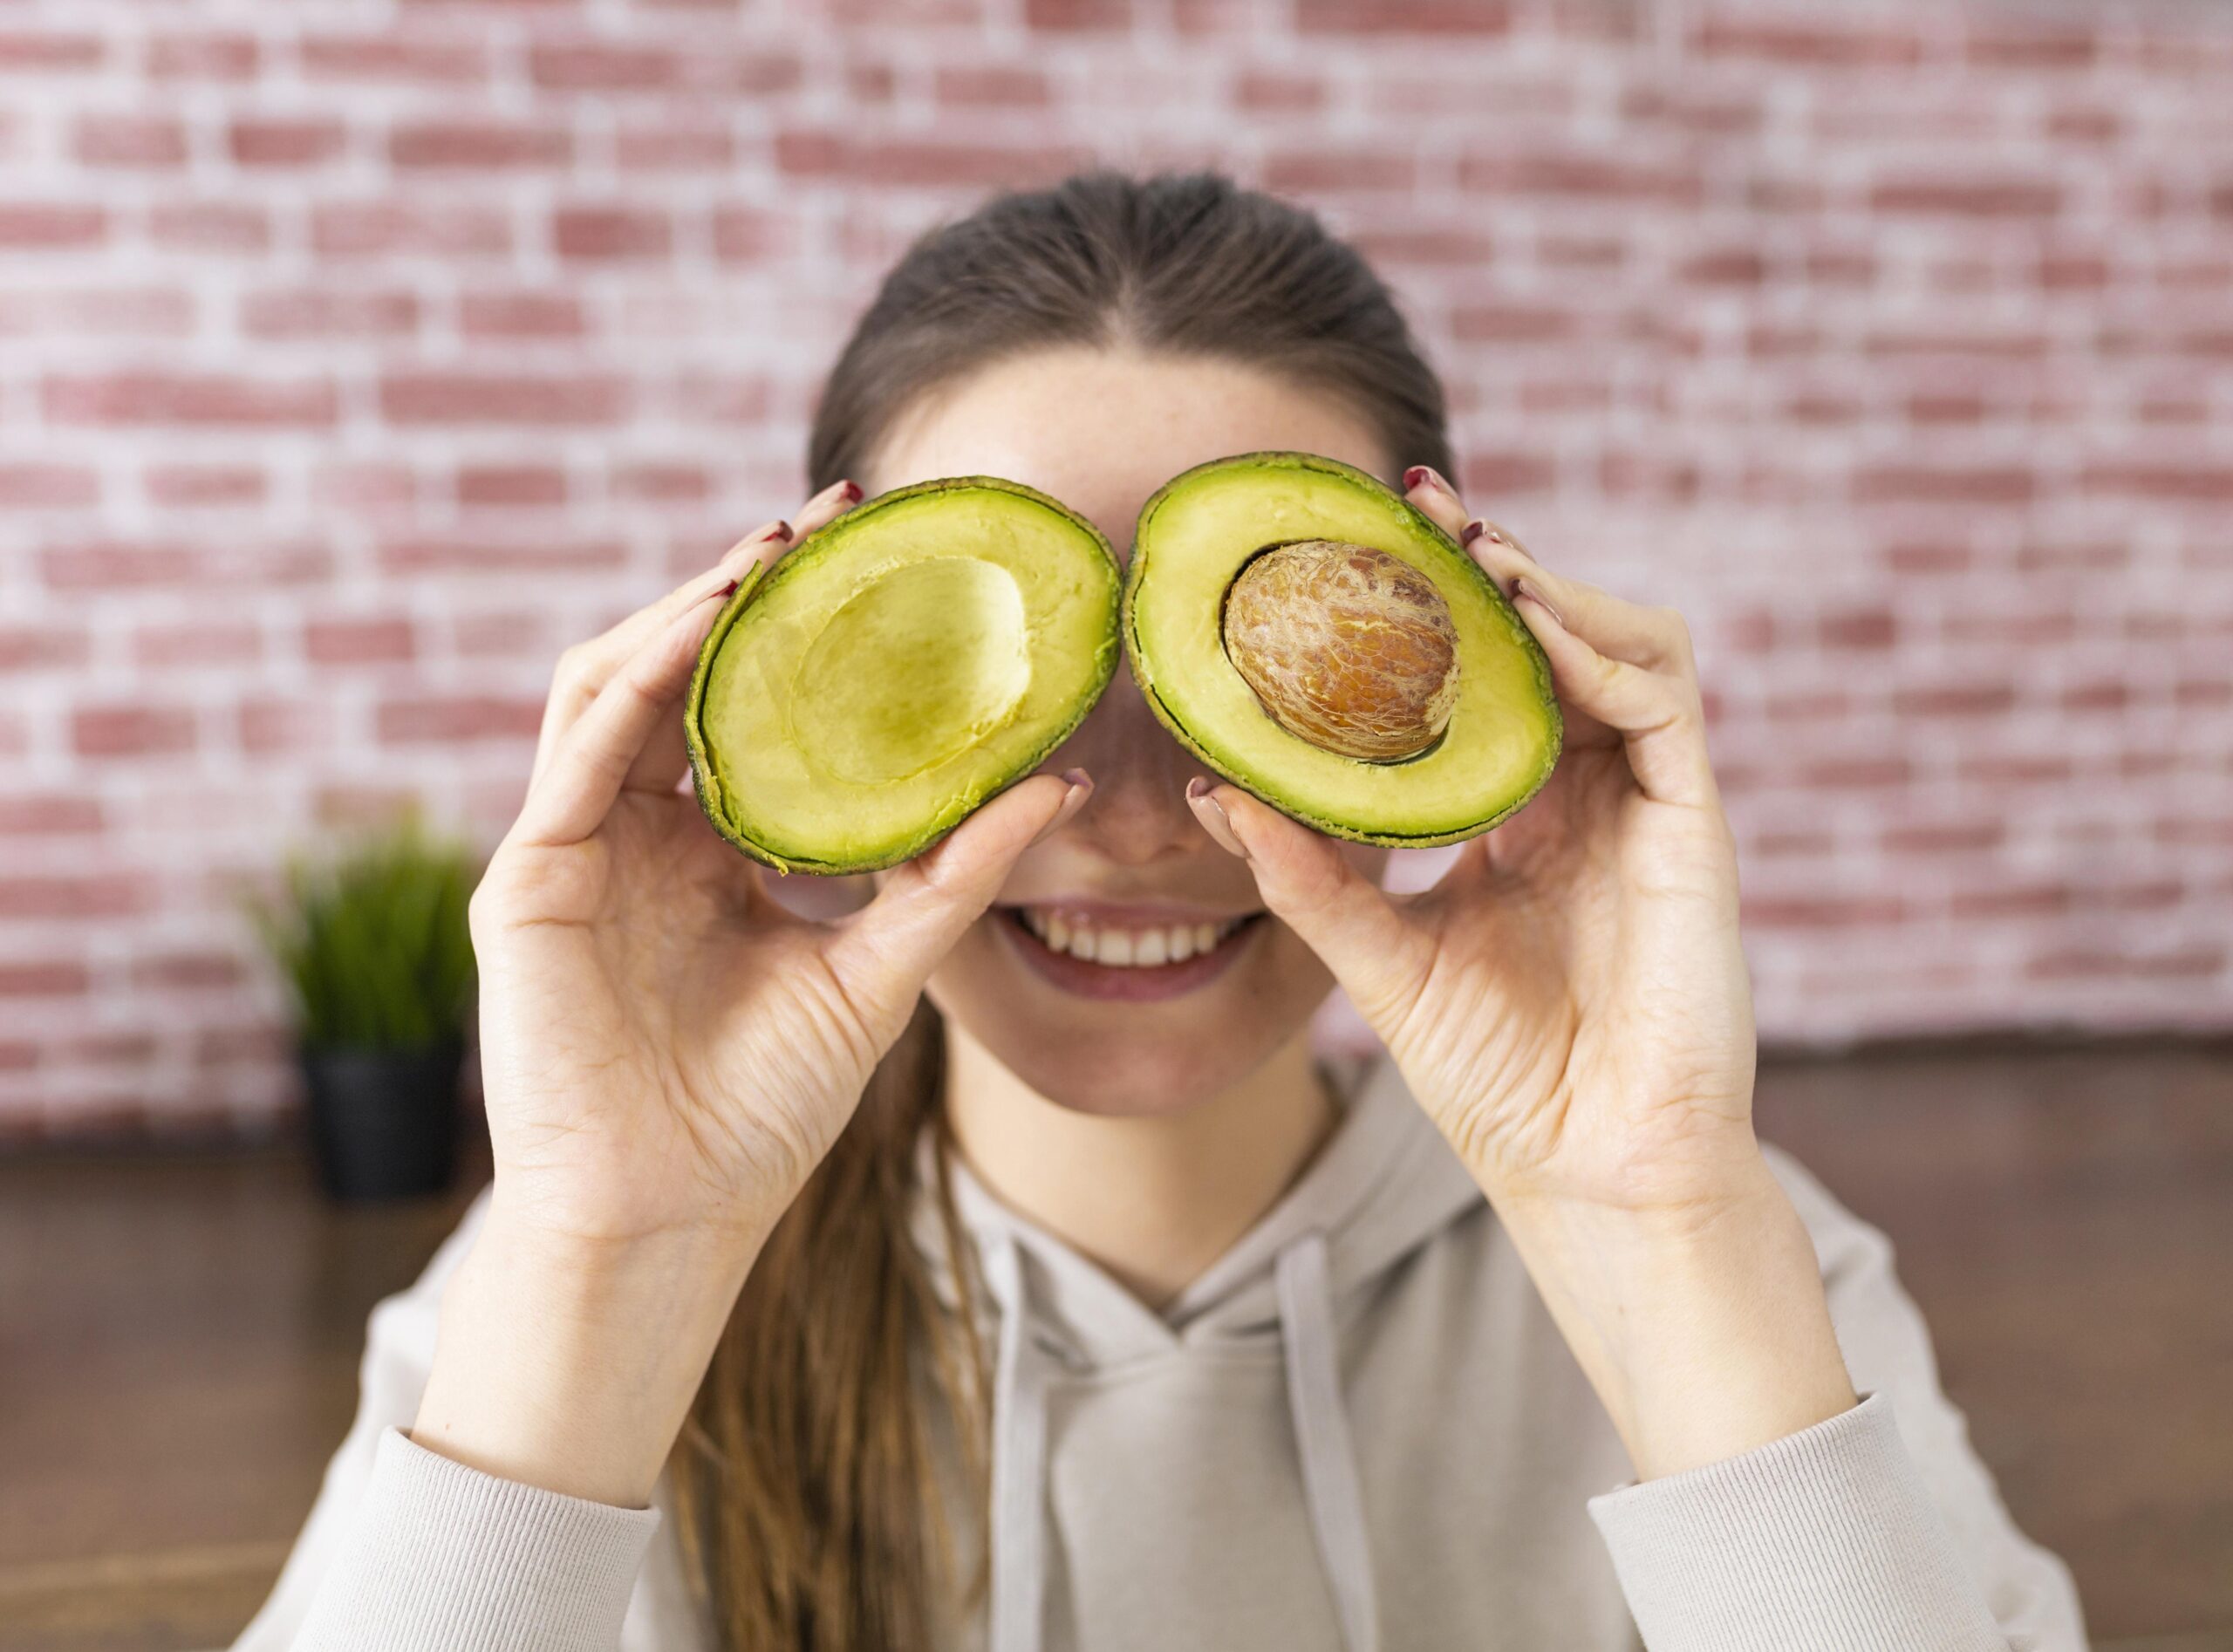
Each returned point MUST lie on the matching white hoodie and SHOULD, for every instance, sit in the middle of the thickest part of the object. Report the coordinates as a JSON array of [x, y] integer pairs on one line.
[[1358, 1431]]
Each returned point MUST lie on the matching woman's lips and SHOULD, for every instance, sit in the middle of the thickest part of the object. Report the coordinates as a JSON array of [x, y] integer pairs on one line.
[[1122, 983]]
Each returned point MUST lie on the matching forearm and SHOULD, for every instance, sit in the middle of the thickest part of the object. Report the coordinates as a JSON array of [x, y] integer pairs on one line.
[[570, 1367], [1706, 1334]]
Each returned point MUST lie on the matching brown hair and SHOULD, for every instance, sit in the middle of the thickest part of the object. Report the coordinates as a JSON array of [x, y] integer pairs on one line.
[[804, 1492]]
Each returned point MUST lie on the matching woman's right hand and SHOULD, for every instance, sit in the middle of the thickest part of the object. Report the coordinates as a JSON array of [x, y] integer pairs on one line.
[[668, 1052]]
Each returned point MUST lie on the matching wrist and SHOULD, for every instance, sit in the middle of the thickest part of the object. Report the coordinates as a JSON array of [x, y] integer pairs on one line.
[[570, 1364], [1703, 1327]]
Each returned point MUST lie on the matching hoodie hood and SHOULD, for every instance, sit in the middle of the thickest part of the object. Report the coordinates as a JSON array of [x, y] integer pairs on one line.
[[1383, 1186]]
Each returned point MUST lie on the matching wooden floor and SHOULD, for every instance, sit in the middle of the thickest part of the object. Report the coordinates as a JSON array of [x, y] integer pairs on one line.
[[178, 1337]]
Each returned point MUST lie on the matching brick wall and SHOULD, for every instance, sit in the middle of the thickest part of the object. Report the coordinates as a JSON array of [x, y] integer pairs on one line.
[[356, 354]]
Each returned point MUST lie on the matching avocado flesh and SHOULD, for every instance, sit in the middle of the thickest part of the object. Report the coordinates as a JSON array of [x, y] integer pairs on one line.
[[895, 670], [1194, 538]]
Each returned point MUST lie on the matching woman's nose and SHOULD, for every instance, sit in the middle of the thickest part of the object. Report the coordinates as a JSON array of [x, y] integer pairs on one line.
[[1137, 814]]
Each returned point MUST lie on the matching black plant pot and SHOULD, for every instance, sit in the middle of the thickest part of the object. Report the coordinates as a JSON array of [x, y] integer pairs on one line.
[[384, 1123]]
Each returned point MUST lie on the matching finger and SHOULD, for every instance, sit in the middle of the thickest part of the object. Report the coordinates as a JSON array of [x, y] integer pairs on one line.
[[1378, 955], [1658, 717], [1430, 491], [593, 759], [584, 669], [825, 508], [1654, 638], [886, 950]]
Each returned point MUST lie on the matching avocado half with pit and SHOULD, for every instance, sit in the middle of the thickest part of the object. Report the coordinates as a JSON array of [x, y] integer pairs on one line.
[[927, 649], [1315, 639]]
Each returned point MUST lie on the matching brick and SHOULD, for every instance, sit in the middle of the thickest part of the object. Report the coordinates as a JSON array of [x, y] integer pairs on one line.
[[50, 647], [208, 226], [43, 977], [286, 143], [265, 725], [1077, 14], [47, 487], [520, 315], [1479, 17], [511, 485], [1802, 36], [412, 229], [2199, 482], [1269, 91], [515, 399], [188, 485], [404, 59], [28, 225], [458, 719], [203, 56], [947, 164], [673, 146], [1934, 194], [40, 51], [602, 234], [1859, 628], [109, 895], [327, 311], [1945, 484], [49, 815], [539, 555], [221, 643], [1579, 174], [1328, 171], [131, 731], [991, 86], [146, 142], [359, 642], [189, 971], [478, 145], [183, 399]]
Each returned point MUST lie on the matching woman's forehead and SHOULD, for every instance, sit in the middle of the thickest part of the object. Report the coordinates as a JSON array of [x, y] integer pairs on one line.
[[1100, 430]]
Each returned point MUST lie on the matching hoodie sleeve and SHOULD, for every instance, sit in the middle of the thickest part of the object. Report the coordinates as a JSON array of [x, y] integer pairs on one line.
[[406, 1548], [1876, 1531]]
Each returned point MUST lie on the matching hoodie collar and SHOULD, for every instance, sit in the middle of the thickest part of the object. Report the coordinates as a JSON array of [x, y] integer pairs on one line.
[[1381, 1185]]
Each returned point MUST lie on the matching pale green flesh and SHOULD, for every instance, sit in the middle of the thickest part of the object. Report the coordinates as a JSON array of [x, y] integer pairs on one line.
[[1500, 739], [863, 706]]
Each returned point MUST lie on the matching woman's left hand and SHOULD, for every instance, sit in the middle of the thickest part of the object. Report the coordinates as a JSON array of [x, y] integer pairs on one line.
[[1570, 1004]]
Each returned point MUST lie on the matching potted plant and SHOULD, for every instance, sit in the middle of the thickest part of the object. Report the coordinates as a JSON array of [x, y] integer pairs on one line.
[[373, 944]]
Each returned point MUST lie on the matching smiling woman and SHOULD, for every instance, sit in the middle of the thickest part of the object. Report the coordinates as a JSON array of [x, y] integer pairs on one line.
[[995, 1265]]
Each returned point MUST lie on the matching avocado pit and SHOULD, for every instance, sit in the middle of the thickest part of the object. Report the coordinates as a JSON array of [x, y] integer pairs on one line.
[[1347, 647]]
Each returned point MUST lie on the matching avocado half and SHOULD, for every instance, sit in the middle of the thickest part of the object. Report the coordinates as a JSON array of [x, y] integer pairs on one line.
[[855, 701], [1194, 537]]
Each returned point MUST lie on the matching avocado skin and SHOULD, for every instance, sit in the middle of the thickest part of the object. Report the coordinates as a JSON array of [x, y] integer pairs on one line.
[[755, 584], [1142, 673]]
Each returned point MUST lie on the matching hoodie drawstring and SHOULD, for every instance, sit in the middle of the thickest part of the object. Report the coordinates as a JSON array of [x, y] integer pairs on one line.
[[1321, 1433], [1019, 1522]]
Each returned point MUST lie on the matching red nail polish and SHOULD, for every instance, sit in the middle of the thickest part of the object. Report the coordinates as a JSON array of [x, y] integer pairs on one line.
[[782, 530], [853, 492], [1415, 476], [1471, 532]]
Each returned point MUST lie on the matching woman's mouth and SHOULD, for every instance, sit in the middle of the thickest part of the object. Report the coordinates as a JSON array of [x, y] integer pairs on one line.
[[1103, 954]]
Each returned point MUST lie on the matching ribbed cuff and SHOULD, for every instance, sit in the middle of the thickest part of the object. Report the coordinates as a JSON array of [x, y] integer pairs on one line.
[[443, 1557], [1826, 1540]]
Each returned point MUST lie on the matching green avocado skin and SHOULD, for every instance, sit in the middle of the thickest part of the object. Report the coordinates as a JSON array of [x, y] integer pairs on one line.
[[799, 561], [1143, 667]]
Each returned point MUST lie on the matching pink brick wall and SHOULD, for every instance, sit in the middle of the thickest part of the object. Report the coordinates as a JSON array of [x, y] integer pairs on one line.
[[356, 354]]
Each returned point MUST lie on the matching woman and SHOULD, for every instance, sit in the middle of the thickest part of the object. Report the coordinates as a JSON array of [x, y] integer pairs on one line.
[[1079, 1306]]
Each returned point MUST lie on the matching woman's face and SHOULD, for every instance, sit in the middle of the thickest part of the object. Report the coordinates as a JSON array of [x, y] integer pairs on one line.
[[1101, 431]]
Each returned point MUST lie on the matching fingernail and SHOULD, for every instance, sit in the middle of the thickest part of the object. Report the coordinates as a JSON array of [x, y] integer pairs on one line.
[[1472, 531], [722, 593], [781, 530], [849, 491], [1081, 785], [1214, 820], [1521, 588]]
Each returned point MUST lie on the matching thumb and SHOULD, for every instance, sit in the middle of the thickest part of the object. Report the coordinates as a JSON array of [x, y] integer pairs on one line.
[[1377, 953], [884, 953]]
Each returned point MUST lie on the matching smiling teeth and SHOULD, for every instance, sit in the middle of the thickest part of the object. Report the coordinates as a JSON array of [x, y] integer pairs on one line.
[[1141, 948]]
